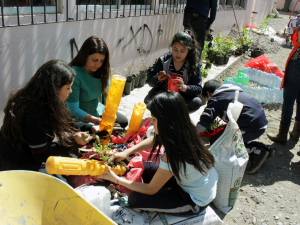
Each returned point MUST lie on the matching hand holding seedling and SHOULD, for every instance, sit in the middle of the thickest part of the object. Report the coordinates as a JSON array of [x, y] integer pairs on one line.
[[118, 156], [162, 75], [181, 86]]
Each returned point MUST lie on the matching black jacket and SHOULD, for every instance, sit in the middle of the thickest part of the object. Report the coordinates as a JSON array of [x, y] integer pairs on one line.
[[251, 118], [193, 82]]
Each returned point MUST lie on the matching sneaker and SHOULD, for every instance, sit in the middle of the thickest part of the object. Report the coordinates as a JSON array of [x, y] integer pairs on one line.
[[260, 145], [256, 159], [270, 150]]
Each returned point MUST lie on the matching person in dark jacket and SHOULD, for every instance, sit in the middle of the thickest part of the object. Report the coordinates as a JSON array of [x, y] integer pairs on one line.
[[35, 115], [181, 64], [196, 17], [252, 120]]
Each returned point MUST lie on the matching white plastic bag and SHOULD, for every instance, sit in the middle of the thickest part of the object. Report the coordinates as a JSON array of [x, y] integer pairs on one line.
[[97, 196], [231, 158]]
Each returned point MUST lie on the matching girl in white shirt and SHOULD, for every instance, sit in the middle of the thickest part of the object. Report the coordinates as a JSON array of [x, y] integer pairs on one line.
[[184, 182]]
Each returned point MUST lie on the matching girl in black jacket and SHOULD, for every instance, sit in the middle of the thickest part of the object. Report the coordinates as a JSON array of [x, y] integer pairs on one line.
[[181, 63]]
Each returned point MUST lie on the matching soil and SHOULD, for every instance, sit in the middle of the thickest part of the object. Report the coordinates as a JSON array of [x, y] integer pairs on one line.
[[272, 195]]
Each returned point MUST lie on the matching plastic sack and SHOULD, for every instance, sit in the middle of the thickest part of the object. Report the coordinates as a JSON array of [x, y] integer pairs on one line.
[[97, 196], [135, 173], [132, 136], [231, 158], [263, 63]]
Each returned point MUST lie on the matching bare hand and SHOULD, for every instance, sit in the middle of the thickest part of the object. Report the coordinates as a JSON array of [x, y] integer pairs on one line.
[[95, 129], [96, 121], [109, 175], [80, 138], [181, 86], [118, 156], [162, 75]]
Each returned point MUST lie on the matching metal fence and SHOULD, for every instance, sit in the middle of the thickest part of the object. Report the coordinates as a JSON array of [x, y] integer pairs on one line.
[[30, 12]]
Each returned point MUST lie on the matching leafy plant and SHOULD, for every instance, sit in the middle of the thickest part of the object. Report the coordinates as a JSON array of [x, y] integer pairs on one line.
[[246, 39], [219, 45], [204, 72], [99, 150]]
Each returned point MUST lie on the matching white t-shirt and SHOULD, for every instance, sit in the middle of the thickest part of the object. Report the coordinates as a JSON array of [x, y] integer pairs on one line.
[[202, 189]]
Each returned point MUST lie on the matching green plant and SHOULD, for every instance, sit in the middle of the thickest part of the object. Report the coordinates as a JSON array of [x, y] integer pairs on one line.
[[230, 45], [143, 65], [245, 38], [219, 46], [99, 150], [204, 72]]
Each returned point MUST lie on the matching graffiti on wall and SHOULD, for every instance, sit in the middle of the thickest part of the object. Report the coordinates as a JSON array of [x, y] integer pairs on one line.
[[134, 38]]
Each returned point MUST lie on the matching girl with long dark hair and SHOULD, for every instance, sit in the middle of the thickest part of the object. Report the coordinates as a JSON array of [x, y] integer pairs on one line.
[[34, 115], [92, 68], [181, 63], [184, 182]]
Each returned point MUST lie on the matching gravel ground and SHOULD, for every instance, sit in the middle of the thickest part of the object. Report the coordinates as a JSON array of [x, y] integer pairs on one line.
[[272, 195]]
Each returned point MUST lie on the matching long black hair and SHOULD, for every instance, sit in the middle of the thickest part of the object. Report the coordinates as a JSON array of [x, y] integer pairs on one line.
[[188, 40], [42, 90], [90, 46], [178, 135]]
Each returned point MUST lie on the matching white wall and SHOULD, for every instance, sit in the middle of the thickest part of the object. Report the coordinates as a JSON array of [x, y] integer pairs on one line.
[[24, 49], [292, 5]]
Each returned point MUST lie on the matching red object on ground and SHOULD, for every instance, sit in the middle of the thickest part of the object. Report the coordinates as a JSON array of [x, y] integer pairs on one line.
[[252, 26], [264, 64], [135, 174], [133, 136], [203, 134]]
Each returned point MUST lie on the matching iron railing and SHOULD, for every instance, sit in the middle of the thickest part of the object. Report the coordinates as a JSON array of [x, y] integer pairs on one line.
[[30, 12]]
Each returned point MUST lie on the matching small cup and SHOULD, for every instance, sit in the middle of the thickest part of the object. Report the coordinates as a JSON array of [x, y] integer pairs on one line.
[[171, 84]]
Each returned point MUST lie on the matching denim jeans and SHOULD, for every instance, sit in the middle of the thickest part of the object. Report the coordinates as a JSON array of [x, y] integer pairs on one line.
[[291, 92]]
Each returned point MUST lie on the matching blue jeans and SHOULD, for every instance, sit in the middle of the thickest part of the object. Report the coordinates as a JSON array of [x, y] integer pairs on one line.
[[291, 92]]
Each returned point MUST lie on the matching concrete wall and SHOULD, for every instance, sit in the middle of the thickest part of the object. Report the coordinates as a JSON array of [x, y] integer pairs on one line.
[[280, 5], [24, 49], [292, 5]]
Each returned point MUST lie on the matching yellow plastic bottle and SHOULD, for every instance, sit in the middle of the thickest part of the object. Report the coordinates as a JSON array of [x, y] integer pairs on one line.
[[72, 166], [136, 117], [112, 103]]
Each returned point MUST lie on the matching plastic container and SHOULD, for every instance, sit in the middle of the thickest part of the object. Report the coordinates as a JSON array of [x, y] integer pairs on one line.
[[243, 78], [171, 84], [136, 117], [107, 122], [72, 166], [114, 95]]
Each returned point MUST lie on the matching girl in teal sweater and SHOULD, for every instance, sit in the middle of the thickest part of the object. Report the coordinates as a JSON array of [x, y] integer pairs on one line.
[[92, 69]]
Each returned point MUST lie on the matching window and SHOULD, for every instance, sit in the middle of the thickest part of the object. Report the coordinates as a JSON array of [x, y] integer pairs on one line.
[[228, 3], [11, 6], [99, 5]]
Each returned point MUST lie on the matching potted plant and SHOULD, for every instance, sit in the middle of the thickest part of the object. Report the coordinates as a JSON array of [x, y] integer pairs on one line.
[[208, 64], [128, 84], [143, 74], [220, 50], [239, 49], [256, 50], [229, 47], [246, 40]]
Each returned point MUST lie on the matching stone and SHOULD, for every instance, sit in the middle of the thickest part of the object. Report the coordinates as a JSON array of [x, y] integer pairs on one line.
[[276, 217], [264, 190]]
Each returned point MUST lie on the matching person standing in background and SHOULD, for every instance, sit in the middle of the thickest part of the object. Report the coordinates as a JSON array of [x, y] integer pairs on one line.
[[196, 18]]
